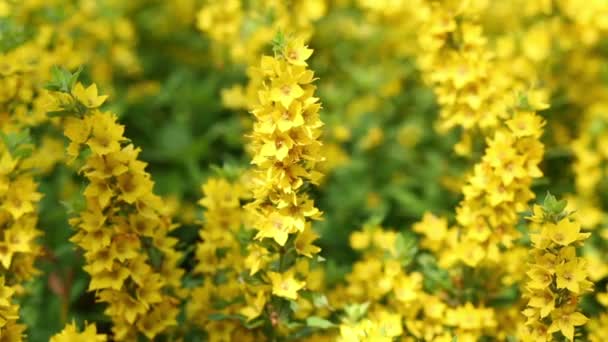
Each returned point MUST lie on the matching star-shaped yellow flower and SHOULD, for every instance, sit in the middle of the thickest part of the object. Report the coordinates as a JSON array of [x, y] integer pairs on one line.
[[285, 284], [89, 96]]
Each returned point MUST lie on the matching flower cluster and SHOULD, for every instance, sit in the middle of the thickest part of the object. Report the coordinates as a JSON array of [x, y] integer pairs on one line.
[[456, 62], [124, 228], [245, 29], [498, 189], [19, 199], [218, 101], [383, 327], [285, 144], [221, 262], [399, 301], [557, 277]]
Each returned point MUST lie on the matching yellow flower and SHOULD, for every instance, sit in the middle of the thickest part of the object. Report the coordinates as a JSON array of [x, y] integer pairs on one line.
[[9, 312], [408, 288], [389, 324], [434, 229], [304, 242], [255, 306], [544, 301], [106, 133], [77, 130], [277, 227], [285, 285], [88, 97], [540, 240], [570, 275], [565, 320], [470, 253], [360, 240], [540, 278], [296, 52], [285, 88], [535, 332], [277, 148], [564, 232], [113, 278], [133, 185], [70, 334], [220, 20], [234, 97], [525, 124], [256, 258], [21, 197]]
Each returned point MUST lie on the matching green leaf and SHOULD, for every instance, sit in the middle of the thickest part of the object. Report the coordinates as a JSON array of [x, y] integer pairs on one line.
[[254, 324], [221, 316], [406, 247], [62, 80], [58, 113], [554, 209], [318, 322], [552, 205], [435, 278], [319, 300], [278, 43], [76, 203], [74, 77], [78, 288], [355, 312], [19, 144], [293, 325]]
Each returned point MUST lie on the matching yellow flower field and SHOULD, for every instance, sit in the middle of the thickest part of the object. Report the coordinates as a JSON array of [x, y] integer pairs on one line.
[[304, 170]]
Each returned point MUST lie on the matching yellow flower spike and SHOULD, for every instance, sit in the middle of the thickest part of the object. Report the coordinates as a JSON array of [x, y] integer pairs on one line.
[[139, 291], [89, 96], [285, 284], [553, 308]]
